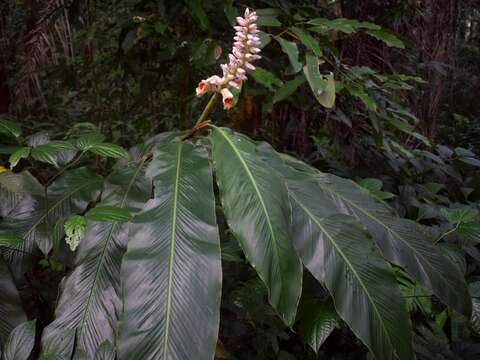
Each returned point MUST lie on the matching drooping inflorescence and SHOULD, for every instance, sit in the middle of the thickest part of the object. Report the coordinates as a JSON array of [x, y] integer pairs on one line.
[[244, 52]]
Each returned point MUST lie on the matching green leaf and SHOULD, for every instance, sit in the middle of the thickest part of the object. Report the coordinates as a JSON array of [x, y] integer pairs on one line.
[[339, 253], [461, 215], [86, 141], [88, 308], [266, 78], [255, 204], [230, 12], [312, 73], [11, 311], [290, 48], [360, 93], [470, 232], [10, 239], [401, 241], [172, 270], [62, 144], [387, 37], [108, 213], [198, 13], [268, 21], [106, 351], [20, 343], [288, 88], [264, 39], [374, 188], [327, 97], [10, 128], [109, 150], [21, 153], [308, 40], [317, 321], [34, 217], [14, 187], [475, 319], [46, 153]]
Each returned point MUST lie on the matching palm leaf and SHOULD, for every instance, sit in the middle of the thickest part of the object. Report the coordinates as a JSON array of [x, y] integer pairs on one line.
[[172, 269], [255, 202]]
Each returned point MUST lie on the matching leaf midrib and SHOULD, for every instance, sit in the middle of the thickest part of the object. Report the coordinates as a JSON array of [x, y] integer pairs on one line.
[[306, 210], [257, 190], [373, 218], [172, 254], [55, 205], [102, 256]]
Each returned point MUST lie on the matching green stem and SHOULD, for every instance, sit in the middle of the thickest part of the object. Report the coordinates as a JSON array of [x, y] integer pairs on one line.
[[73, 163], [207, 109]]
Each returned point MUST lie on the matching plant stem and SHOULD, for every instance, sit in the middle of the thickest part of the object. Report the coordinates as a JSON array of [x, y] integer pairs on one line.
[[206, 111], [202, 121], [73, 163]]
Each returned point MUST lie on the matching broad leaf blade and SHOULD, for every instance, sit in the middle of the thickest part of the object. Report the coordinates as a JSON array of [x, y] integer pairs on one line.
[[33, 218], [90, 300], [290, 48], [340, 254], [11, 311], [108, 213], [317, 321], [255, 203], [401, 241], [20, 343], [172, 270], [109, 150]]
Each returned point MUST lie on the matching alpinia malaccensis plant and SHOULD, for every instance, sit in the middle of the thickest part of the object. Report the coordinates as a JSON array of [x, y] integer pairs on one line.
[[147, 280]]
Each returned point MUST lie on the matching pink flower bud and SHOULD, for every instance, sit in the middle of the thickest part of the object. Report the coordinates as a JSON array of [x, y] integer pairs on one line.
[[241, 21]]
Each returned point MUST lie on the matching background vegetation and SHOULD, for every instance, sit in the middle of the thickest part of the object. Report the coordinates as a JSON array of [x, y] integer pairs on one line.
[[402, 120]]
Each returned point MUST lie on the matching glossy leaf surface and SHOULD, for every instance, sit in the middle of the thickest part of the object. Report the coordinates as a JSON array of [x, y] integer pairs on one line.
[[11, 311], [90, 300], [32, 218], [255, 203], [339, 253], [172, 271], [20, 343]]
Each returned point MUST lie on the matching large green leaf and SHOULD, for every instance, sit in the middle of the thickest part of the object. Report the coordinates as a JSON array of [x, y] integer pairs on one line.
[[11, 311], [172, 269], [339, 253], [401, 241], [255, 202], [33, 218], [90, 300], [318, 319], [20, 342], [14, 187]]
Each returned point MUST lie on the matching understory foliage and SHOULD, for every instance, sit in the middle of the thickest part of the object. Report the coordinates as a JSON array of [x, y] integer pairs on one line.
[[204, 242]]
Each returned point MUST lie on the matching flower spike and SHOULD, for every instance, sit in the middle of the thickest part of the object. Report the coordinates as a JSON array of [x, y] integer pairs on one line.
[[244, 52]]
